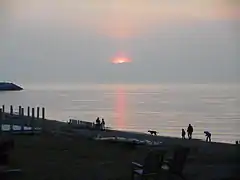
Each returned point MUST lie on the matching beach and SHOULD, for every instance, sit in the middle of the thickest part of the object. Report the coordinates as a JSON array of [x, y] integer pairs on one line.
[[62, 151], [151, 72]]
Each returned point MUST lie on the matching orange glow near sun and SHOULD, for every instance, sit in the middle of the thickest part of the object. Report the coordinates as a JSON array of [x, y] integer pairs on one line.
[[121, 60]]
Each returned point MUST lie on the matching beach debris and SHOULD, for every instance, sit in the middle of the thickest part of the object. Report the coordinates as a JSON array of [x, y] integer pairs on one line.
[[7, 127], [98, 136], [129, 140]]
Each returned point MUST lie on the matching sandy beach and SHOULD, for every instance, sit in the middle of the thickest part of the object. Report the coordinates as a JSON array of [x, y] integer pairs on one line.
[[64, 152]]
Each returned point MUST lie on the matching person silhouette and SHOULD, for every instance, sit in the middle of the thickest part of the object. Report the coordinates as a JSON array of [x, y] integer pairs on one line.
[[208, 136], [183, 134], [98, 123], [190, 131], [103, 124]]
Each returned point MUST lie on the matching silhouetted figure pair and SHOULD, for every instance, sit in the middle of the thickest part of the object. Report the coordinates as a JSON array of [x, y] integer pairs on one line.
[[208, 136], [183, 134], [99, 124], [190, 131]]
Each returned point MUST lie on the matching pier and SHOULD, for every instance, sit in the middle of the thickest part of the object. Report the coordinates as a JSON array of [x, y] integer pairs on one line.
[[30, 119]]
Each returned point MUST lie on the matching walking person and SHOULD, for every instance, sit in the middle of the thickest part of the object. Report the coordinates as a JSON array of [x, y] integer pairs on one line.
[[183, 134], [190, 131], [208, 136]]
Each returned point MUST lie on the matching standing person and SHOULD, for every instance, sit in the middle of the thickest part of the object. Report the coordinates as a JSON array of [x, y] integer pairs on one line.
[[98, 123], [183, 134], [190, 131], [208, 136], [103, 124]]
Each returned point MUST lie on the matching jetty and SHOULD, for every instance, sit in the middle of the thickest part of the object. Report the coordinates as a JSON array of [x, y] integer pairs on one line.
[[7, 86]]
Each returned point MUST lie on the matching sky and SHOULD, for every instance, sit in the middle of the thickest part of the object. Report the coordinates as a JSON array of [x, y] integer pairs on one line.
[[194, 41]]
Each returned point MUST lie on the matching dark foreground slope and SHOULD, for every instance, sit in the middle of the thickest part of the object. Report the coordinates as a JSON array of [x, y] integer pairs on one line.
[[57, 156], [62, 152]]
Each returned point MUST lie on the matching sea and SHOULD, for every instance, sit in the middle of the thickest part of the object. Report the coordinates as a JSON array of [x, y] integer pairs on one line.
[[166, 108]]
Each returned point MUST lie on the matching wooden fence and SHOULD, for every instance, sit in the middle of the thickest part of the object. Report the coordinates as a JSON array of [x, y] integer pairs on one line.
[[30, 122]]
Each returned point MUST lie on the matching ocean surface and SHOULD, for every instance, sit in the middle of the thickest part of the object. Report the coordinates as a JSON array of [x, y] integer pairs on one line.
[[166, 108]]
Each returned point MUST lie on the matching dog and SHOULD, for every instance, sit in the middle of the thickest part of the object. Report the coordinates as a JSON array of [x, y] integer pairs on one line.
[[152, 132]]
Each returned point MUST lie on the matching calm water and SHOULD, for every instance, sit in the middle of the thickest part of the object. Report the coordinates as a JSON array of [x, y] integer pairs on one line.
[[165, 108]]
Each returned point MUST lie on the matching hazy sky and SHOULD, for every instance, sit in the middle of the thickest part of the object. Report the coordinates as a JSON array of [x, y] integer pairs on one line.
[[167, 40]]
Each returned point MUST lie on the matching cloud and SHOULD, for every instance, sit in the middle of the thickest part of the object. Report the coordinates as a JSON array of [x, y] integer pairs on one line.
[[118, 19]]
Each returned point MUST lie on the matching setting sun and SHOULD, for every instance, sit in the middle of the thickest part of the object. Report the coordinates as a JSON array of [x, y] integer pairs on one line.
[[121, 60]]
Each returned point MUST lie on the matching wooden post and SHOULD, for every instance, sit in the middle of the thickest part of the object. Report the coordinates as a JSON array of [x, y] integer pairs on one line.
[[19, 110], [43, 119], [3, 108], [11, 125], [1, 120], [32, 120], [33, 113], [28, 111], [2, 113], [22, 111], [11, 110], [38, 112], [43, 113]]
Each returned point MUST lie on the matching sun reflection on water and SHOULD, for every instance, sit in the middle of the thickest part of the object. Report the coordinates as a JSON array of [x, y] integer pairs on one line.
[[120, 108]]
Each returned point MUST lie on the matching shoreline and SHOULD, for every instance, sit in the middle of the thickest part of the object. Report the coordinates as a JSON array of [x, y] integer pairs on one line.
[[134, 134], [56, 125]]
